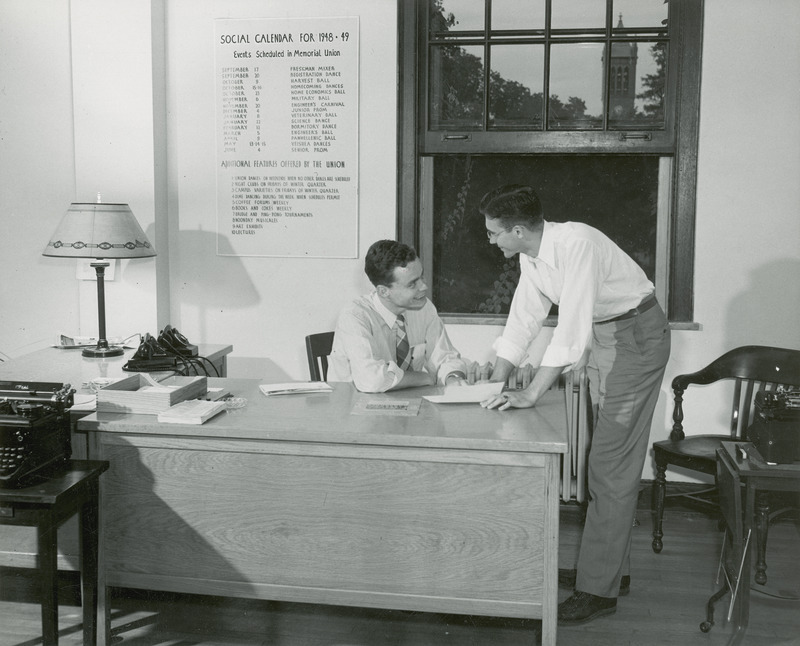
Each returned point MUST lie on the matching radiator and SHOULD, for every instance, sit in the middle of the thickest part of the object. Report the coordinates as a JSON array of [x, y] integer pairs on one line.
[[573, 464]]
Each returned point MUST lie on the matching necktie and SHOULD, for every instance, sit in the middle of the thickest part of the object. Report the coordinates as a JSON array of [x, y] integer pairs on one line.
[[402, 343]]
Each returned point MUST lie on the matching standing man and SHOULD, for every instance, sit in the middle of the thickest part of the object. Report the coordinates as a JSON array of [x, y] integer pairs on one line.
[[607, 308], [393, 338]]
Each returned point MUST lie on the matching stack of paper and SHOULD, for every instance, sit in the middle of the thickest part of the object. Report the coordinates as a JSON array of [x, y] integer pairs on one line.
[[466, 394], [295, 388], [192, 411]]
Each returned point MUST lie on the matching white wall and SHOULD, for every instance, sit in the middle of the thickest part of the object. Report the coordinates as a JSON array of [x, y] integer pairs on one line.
[[747, 265], [37, 176], [266, 306], [76, 119]]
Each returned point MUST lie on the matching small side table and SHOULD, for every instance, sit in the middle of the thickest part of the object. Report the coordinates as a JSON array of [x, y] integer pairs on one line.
[[748, 468], [45, 504]]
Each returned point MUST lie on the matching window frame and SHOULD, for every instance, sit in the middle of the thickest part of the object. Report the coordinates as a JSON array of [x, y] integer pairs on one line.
[[678, 140]]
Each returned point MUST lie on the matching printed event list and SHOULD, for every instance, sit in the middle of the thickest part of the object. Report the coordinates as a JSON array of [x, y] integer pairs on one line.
[[287, 136]]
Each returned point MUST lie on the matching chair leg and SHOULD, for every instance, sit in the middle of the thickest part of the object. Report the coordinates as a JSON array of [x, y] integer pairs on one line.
[[659, 492], [709, 622], [762, 532]]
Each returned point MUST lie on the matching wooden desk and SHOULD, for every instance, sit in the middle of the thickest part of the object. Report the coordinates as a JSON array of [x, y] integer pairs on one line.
[[70, 367], [18, 544], [296, 498], [758, 477], [46, 504]]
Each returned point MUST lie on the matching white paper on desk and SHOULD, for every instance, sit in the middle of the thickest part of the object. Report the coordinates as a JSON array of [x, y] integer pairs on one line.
[[470, 394], [295, 388]]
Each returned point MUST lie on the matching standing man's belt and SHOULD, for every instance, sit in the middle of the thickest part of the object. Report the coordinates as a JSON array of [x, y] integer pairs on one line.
[[646, 304]]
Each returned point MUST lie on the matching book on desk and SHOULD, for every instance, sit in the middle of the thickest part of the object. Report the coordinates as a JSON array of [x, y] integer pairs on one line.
[[192, 411]]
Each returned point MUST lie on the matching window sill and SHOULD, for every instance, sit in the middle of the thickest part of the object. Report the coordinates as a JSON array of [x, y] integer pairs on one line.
[[500, 320]]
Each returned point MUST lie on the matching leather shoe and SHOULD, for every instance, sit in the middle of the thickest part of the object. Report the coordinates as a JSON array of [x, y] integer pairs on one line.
[[566, 580], [582, 607]]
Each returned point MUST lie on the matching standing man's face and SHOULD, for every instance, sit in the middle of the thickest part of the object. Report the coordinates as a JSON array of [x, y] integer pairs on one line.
[[505, 239], [408, 291]]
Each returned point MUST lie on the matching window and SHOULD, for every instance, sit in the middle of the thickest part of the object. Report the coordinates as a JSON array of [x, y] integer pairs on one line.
[[593, 102]]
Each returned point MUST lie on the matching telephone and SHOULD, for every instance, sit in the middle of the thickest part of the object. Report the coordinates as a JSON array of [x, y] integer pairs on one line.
[[150, 356]]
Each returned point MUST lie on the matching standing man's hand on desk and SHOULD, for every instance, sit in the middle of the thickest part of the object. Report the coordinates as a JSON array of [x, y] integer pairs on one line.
[[513, 376], [542, 380]]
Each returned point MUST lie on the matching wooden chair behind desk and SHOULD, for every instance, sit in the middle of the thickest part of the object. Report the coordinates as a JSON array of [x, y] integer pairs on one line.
[[318, 347]]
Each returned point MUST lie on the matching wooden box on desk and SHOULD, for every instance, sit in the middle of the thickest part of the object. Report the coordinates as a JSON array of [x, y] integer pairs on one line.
[[136, 394]]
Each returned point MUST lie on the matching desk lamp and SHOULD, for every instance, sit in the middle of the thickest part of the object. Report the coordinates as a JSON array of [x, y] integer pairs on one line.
[[100, 231]]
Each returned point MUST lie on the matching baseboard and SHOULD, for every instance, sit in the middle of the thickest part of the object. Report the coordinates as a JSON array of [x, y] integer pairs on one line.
[[677, 497]]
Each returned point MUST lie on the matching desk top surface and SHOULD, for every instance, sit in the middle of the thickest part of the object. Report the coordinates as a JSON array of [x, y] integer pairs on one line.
[[71, 367], [335, 418], [46, 489], [750, 463]]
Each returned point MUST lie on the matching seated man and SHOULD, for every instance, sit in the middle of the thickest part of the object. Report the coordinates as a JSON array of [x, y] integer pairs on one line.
[[393, 338]]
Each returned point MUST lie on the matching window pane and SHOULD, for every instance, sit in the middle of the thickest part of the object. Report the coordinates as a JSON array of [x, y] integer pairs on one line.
[[457, 15], [640, 13], [576, 86], [616, 194], [578, 14], [516, 86], [456, 88], [637, 85], [517, 14]]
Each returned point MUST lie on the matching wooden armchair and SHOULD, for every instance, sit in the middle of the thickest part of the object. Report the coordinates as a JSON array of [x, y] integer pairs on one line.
[[753, 368], [318, 347]]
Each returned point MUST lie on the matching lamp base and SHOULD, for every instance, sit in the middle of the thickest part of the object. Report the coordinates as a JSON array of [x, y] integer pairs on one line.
[[99, 352]]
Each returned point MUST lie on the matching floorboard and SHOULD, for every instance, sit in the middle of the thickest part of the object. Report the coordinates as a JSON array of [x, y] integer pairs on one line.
[[665, 607]]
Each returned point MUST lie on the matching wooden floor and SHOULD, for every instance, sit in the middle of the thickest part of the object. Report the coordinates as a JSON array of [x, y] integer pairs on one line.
[[665, 606]]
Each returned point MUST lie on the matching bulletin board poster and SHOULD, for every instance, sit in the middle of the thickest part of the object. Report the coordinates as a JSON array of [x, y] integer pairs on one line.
[[287, 137]]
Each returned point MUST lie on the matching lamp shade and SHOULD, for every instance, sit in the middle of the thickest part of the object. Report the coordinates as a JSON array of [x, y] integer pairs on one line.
[[99, 230]]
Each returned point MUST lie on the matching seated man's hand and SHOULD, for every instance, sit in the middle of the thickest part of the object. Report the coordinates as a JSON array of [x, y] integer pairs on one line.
[[520, 377], [456, 379]]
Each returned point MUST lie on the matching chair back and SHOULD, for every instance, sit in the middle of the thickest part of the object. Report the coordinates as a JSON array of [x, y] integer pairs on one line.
[[754, 368], [318, 347]]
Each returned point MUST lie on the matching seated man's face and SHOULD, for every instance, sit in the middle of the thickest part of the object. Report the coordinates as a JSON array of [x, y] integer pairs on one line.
[[408, 291]]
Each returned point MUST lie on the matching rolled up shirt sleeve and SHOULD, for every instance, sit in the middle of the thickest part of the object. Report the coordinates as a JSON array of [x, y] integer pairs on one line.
[[529, 308], [590, 279], [573, 332]]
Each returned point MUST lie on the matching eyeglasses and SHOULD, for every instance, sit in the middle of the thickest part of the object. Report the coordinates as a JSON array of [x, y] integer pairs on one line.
[[494, 235]]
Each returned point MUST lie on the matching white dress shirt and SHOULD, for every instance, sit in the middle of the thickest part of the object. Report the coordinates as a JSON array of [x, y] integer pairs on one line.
[[587, 275], [365, 342]]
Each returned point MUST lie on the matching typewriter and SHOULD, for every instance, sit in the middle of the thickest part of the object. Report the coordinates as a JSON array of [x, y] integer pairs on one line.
[[34, 429], [776, 427]]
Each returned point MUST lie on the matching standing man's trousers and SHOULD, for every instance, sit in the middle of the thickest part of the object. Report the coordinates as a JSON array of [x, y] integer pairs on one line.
[[625, 371]]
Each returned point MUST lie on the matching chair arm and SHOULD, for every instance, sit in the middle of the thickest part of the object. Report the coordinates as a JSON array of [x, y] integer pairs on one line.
[[707, 375]]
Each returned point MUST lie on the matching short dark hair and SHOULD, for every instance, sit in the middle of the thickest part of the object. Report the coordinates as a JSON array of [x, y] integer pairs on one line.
[[513, 204], [382, 258]]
